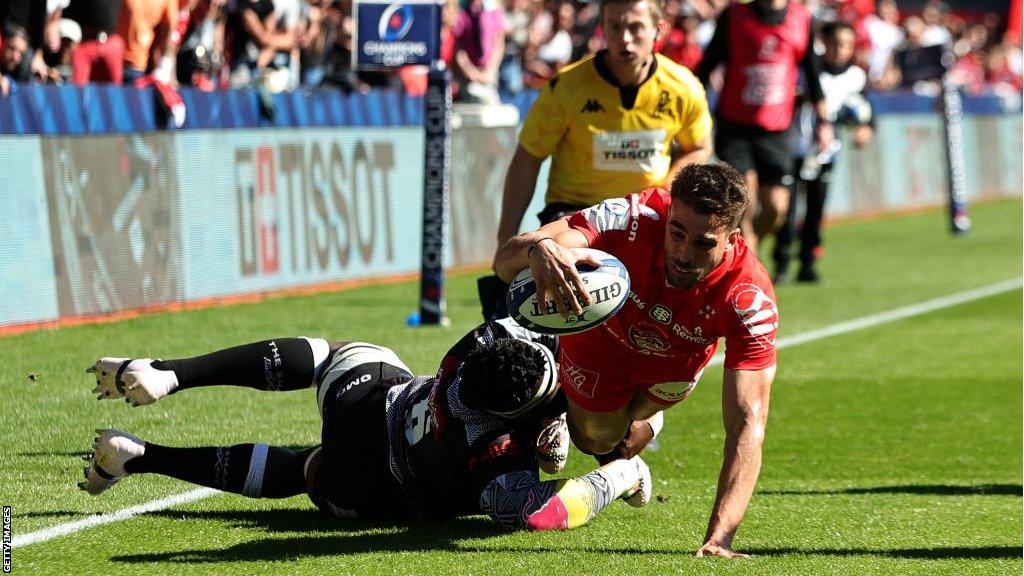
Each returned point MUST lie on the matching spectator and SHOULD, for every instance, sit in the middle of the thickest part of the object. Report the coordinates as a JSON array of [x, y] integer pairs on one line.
[[149, 29], [318, 35], [70, 37], [935, 33], [884, 35], [479, 48], [764, 45], [586, 38], [517, 36], [258, 42], [201, 55], [100, 56], [13, 53], [681, 41], [552, 50], [32, 17]]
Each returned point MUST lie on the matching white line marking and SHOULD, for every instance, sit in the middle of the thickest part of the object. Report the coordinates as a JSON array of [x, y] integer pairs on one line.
[[891, 315], [100, 519], [826, 332]]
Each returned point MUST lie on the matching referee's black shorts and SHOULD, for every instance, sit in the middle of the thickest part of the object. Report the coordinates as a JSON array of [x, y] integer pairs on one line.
[[745, 148]]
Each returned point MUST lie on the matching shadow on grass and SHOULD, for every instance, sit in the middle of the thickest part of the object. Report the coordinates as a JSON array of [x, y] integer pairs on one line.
[[929, 489], [333, 537], [939, 553]]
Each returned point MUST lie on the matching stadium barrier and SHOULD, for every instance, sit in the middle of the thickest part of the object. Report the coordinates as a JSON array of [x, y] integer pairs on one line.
[[103, 212]]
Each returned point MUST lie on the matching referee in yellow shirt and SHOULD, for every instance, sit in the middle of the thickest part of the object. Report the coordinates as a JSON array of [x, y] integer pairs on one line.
[[608, 122]]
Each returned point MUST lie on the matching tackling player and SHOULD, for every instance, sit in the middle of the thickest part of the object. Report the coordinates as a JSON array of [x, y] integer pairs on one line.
[[457, 443], [694, 281], [609, 123]]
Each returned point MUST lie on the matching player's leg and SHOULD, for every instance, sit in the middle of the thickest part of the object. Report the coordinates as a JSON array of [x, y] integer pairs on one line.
[[773, 158], [254, 470], [734, 147], [783, 249], [810, 233], [279, 364]]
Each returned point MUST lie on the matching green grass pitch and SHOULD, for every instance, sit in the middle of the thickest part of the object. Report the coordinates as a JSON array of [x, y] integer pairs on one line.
[[890, 450]]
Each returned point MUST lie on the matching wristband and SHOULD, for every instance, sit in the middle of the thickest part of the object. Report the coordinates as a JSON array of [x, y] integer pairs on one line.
[[529, 251]]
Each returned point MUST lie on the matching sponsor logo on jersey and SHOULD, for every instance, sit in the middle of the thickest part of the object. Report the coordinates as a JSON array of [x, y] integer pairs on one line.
[[663, 105], [695, 335], [756, 311], [661, 313], [637, 151], [636, 300], [706, 311], [591, 105], [582, 380], [648, 338], [611, 214], [672, 391]]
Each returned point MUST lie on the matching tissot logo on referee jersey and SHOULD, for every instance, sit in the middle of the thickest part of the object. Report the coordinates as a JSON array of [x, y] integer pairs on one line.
[[592, 105]]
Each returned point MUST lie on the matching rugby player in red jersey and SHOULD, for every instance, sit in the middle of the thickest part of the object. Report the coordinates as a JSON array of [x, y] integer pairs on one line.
[[694, 281]]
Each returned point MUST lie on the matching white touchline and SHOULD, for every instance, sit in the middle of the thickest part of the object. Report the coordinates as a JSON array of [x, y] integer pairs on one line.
[[892, 315], [100, 519], [826, 332]]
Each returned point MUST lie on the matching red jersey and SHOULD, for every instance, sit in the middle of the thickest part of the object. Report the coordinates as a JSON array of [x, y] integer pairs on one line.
[[665, 334], [761, 77]]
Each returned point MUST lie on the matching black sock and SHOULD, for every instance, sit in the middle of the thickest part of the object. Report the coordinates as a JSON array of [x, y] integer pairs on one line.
[[281, 364], [275, 473]]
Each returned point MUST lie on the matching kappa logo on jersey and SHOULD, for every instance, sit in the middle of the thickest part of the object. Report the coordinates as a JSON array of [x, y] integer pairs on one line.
[[649, 338], [661, 313], [583, 380], [395, 22], [592, 105], [757, 312]]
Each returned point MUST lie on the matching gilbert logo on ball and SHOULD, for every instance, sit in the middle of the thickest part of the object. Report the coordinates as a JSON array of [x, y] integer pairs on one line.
[[607, 284]]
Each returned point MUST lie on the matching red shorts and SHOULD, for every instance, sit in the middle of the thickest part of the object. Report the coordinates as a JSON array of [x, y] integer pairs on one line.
[[600, 377]]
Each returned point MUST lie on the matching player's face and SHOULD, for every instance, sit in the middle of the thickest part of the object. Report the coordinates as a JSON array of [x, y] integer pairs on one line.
[[839, 50], [694, 245], [629, 31]]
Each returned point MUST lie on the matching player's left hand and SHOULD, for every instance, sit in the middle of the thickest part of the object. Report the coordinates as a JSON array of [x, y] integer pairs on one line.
[[713, 549], [554, 272]]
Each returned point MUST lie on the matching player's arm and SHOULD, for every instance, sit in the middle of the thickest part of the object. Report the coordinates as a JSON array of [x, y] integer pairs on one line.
[[549, 254], [824, 133], [696, 153], [745, 396], [520, 182], [519, 500]]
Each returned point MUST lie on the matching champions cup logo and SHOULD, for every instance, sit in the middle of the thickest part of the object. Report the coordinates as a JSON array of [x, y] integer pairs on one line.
[[395, 22]]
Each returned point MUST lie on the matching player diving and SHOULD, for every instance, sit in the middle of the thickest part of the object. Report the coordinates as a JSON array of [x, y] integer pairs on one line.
[[461, 442]]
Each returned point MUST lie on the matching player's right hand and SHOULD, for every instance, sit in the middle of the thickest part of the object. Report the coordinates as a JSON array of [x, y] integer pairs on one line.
[[554, 272]]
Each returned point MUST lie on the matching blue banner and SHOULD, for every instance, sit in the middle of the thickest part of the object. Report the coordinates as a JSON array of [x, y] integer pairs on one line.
[[392, 34]]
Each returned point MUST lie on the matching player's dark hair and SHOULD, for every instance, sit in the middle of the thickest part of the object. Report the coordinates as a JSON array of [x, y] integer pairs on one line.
[[11, 30], [504, 377], [830, 30], [714, 189]]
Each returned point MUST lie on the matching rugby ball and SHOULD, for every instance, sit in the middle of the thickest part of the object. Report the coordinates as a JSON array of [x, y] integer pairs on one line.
[[608, 285]]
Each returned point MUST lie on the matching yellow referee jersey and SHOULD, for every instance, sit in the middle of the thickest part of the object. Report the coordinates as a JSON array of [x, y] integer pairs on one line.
[[607, 141]]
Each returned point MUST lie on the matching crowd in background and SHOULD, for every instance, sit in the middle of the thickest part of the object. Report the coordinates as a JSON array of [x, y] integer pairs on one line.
[[491, 47]]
